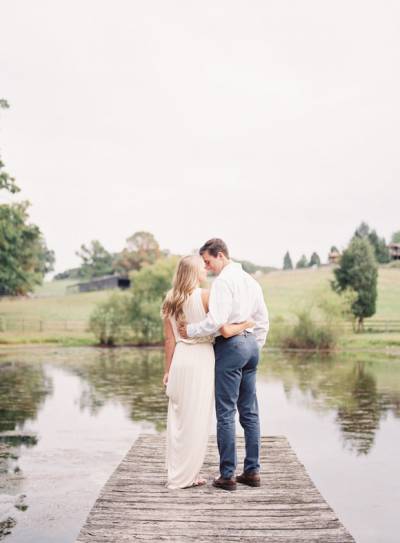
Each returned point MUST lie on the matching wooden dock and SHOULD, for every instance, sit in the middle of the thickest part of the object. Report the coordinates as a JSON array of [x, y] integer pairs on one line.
[[135, 505]]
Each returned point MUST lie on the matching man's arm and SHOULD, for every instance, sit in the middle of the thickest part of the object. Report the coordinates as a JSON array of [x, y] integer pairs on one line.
[[261, 320], [220, 307]]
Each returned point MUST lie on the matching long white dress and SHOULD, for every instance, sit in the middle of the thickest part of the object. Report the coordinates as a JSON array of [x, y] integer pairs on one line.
[[190, 390]]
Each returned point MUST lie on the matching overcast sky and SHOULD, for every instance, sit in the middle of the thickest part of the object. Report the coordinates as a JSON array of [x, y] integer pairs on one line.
[[272, 124]]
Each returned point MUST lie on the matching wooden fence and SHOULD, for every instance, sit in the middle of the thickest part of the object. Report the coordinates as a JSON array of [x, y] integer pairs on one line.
[[32, 324]]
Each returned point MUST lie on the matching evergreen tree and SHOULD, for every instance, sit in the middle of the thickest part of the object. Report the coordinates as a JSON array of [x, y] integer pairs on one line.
[[303, 262], [358, 271], [315, 260], [396, 237], [379, 244], [287, 262]]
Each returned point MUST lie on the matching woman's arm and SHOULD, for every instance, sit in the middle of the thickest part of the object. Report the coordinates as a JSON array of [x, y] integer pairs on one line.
[[169, 348], [229, 330]]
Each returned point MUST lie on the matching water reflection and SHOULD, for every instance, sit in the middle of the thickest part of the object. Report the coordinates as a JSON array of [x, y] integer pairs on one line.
[[23, 389], [87, 406], [131, 377], [348, 387]]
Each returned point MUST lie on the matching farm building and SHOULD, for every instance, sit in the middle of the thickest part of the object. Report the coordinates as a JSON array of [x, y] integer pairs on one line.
[[394, 251], [334, 257], [100, 283]]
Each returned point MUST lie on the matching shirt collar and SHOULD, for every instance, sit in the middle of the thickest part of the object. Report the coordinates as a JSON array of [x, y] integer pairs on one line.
[[231, 267]]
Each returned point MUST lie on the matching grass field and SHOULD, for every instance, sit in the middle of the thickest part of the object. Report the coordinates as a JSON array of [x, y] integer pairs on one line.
[[285, 292]]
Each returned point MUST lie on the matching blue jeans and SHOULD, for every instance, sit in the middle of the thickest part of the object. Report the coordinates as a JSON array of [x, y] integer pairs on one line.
[[236, 360]]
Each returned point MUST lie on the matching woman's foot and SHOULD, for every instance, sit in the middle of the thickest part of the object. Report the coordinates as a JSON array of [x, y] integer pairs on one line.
[[199, 482]]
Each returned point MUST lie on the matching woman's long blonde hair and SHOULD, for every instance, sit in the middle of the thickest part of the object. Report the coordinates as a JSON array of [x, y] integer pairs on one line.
[[185, 280]]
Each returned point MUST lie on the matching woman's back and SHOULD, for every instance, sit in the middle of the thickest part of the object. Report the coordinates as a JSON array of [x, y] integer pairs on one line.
[[193, 311]]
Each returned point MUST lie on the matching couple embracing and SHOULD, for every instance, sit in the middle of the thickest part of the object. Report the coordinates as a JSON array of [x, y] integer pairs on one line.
[[213, 341]]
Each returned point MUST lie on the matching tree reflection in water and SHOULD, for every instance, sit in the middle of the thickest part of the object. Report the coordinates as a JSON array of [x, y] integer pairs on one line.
[[130, 376], [23, 390], [350, 387]]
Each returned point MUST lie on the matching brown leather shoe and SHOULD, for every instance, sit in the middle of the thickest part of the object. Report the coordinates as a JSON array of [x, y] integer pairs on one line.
[[225, 484], [249, 479]]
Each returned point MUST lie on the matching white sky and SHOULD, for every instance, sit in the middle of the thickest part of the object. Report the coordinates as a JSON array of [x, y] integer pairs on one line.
[[272, 124]]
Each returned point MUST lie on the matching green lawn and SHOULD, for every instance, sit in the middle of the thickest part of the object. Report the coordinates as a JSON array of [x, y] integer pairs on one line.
[[285, 292]]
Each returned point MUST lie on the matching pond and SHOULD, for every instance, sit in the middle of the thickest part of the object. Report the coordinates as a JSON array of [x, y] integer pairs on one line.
[[71, 414]]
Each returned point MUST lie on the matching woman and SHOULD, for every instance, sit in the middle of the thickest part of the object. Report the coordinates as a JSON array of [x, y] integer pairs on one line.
[[189, 374]]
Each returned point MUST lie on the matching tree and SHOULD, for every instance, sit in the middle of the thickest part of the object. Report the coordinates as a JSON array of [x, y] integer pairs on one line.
[[379, 244], [24, 256], [141, 248], [315, 260], [358, 271], [96, 260], [381, 249], [396, 237], [287, 262], [6, 181], [302, 263], [149, 287]]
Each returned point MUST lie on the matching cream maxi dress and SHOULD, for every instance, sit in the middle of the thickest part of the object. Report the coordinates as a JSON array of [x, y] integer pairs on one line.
[[190, 390]]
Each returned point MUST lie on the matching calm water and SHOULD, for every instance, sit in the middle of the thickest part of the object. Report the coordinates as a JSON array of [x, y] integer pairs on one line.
[[87, 406]]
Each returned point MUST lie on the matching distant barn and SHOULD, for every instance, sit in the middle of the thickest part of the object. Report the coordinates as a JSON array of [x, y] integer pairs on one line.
[[394, 251], [100, 283]]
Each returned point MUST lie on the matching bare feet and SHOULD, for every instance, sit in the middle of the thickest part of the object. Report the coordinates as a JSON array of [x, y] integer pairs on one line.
[[199, 482]]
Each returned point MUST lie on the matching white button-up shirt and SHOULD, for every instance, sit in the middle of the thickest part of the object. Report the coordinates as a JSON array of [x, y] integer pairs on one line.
[[235, 297]]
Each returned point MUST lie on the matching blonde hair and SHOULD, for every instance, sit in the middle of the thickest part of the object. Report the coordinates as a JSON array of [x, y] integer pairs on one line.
[[185, 280]]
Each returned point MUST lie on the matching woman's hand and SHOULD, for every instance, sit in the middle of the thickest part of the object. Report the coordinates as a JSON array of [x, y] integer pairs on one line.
[[165, 379], [229, 330]]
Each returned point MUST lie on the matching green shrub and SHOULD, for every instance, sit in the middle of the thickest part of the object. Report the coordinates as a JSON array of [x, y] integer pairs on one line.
[[309, 334], [108, 320], [320, 324], [150, 286]]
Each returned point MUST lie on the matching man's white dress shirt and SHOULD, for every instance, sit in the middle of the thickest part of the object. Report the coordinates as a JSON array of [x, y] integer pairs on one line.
[[235, 297]]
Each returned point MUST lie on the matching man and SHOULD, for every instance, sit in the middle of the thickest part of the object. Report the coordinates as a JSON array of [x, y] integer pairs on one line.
[[234, 297]]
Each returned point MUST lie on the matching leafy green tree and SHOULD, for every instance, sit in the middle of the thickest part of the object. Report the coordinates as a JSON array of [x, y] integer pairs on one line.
[[379, 244], [396, 237], [141, 248], [96, 260], [334, 249], [315, 260], [108, 319], [287, 262], [149, 287], [302, 263], [24, 256], [358, 271], [6, 181]]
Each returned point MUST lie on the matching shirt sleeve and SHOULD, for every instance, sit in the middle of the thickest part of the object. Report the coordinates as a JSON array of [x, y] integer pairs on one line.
[[220, 307], [261, 320]]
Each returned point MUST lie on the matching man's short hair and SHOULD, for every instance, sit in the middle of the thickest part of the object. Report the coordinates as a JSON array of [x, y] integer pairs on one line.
[[214, 246]]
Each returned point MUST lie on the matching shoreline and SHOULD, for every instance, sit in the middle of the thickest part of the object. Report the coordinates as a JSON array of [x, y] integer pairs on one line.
[[388, 350]]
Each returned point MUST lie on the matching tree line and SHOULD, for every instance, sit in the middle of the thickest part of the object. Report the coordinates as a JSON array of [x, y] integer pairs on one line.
[[378, 244]]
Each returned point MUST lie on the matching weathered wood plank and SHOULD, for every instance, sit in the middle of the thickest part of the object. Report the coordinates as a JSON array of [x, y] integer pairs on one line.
[[135, 505]]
